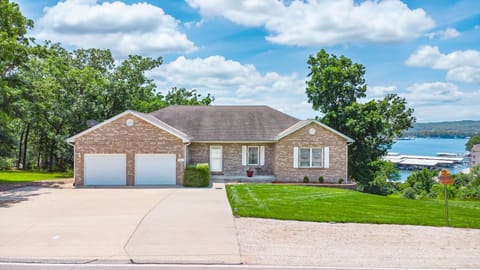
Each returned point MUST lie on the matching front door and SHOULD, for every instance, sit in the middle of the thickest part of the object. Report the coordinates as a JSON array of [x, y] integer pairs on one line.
[[216, 158]]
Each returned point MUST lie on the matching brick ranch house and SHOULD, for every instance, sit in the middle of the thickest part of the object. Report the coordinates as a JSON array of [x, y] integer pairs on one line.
[[135, 148]]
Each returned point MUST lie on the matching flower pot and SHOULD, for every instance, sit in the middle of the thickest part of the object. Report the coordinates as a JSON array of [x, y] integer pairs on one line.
[[249, 173]]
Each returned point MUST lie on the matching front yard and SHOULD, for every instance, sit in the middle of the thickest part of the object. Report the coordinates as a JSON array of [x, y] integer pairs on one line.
[[337, 205], [16, 177]]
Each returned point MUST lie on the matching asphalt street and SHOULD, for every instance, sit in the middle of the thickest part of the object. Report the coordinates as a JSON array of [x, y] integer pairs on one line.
[[29, 266]]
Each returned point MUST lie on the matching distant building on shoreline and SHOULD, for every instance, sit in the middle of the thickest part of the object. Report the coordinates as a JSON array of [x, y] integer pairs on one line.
[[475, 155]]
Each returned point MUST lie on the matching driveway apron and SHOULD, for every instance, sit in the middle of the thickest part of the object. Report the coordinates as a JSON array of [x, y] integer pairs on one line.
[[188, 226]]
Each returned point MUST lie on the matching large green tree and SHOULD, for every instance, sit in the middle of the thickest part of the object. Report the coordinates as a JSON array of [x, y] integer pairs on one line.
[[14, 52], [334, 88]]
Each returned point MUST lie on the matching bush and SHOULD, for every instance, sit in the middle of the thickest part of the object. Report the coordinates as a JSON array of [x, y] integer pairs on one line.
[[306, 179], [197, 175], [422, 180], [408, 193], [340, 180], [320, 179], [379, 186], [6, 163], [469, 193], [439, 190]]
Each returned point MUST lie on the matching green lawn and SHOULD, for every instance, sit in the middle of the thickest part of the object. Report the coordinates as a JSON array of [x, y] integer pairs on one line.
[[12, 177], [337, 205]]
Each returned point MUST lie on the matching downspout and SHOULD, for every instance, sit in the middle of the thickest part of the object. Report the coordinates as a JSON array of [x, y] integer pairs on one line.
[[74, 163], [185, 154], [346, 165]]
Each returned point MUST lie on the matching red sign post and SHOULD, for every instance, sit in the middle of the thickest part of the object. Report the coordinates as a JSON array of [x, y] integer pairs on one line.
[[446, 179]]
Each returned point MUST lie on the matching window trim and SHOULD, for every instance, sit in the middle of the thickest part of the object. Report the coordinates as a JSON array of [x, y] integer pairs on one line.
[[310, 157], [248, 155]]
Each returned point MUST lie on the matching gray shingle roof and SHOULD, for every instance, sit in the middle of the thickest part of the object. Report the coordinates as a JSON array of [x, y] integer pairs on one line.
[[226, 123]]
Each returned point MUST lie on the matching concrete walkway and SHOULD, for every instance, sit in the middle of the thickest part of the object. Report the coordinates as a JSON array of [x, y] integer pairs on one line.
[[188, 226], [145, 224]]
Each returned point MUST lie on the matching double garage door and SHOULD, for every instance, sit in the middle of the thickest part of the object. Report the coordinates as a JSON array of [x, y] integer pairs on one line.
[[111, 169]]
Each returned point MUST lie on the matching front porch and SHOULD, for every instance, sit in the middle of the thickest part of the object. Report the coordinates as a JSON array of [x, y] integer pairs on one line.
[[244, 178]]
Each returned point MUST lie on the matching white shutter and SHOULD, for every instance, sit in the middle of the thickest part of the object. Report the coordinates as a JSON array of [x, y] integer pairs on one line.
[[262, 155], [244, 155], [295, 157], [326, 157]]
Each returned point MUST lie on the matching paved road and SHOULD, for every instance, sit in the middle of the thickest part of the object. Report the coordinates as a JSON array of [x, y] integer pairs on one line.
[[155, 225], [168, 267]]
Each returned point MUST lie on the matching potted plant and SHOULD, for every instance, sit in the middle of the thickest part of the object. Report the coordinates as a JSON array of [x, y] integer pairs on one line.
[[249, 172]]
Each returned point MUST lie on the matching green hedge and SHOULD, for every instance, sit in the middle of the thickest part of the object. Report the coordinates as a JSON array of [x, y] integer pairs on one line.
[[197, 175]]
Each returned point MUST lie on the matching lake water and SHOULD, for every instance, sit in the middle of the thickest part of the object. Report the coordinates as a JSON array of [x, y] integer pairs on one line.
[[429, 147]]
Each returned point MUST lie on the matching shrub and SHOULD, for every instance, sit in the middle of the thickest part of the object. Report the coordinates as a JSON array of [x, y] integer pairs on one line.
[[6, 163], [439, 190], [197, 175], [469, 193], [320, 179], [340, 180], [408, 193], [306, 179], [379, 186], [422, 180]]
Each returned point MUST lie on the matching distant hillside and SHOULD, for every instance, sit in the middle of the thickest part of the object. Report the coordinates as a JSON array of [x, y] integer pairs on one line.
[[465, 128]]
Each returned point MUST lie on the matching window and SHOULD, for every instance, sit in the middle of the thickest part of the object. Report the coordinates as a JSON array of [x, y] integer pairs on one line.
[[253, 154], [311, 157]]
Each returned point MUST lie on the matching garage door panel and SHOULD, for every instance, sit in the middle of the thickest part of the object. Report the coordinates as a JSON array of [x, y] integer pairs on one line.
[[155, 169], [105, 169]]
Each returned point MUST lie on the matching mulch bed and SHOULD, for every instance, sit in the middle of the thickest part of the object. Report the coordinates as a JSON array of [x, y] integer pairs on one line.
[[351, 186]]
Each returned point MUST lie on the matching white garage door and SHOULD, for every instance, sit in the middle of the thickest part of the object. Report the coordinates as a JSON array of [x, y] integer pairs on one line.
[[105, 169], [155, 169]]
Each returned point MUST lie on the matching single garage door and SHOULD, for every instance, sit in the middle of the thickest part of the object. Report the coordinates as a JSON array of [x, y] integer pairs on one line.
[[155, 169], [105, 169]]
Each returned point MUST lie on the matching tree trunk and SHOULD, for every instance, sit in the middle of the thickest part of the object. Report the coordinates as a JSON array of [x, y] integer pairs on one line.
[[25, 144], [50, 160], [20, 144]]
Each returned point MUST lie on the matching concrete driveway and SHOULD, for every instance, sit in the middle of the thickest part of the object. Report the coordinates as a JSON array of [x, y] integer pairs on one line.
[[176, 225]]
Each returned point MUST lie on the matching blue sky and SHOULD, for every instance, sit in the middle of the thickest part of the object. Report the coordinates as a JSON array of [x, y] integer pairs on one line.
[[255, 52]]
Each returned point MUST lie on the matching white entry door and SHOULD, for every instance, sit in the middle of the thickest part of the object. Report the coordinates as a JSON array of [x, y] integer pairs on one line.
[[216, 158], [155, 169], [105, 169]]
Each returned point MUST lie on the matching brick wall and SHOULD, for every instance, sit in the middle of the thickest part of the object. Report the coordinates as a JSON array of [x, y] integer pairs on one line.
[[284, 170], [117, 137], [232, 158]]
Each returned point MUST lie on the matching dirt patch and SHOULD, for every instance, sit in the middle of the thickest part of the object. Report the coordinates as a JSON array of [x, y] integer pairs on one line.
[[276, 242]]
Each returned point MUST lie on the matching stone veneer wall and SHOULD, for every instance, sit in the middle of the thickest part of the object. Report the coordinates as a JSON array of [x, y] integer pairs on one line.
[[116, 137], [232, 157], [284, 170]]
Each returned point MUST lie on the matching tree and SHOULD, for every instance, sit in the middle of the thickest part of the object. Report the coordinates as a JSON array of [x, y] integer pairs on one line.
[[14, 47], [182, 96], [335, 83], [472, 141], [333, 88]]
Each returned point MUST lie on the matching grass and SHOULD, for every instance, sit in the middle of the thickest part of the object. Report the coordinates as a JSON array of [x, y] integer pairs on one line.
[[13, 177], [304, 203]]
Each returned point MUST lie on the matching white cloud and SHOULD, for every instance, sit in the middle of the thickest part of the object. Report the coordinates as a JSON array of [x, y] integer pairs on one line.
[[234, 83], [380, 91], [432, 93], [139, 28], [464, 109], [324, 22], [463, 66], [448, 33]]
